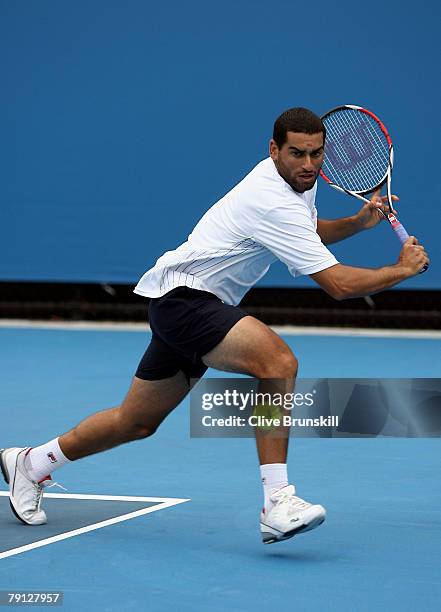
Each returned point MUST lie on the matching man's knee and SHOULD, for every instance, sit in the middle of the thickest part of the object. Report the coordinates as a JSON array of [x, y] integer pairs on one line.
[[279, 364], [139, 432], [133, 430]]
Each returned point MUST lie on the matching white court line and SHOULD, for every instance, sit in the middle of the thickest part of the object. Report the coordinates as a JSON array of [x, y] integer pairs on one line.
[[287, 330], [164, 502], [291, 330], [75, 325]]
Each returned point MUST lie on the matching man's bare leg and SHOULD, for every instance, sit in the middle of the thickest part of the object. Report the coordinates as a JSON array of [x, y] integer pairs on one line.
[[251, 347], [147, 404]]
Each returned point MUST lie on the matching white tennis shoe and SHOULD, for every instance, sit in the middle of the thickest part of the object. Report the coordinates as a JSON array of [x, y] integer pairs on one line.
[[25, 495], [289, 516]]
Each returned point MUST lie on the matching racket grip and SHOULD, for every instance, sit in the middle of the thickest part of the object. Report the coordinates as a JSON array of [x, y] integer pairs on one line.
[[399, 230], [402, 235]]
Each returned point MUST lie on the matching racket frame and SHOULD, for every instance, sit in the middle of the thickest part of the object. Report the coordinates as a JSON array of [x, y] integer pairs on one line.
[[398, 228], [396, 225]]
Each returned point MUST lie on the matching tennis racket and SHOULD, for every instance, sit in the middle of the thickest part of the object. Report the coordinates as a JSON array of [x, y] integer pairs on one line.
[[359, 157]]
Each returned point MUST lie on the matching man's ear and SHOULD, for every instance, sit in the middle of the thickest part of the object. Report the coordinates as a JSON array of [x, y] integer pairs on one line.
[[273, 149]]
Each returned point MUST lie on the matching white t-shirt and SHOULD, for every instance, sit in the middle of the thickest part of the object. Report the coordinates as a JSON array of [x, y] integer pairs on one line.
[[260, 220]]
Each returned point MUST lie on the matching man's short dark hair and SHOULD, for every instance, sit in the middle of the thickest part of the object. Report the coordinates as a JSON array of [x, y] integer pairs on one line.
[[297, 120]]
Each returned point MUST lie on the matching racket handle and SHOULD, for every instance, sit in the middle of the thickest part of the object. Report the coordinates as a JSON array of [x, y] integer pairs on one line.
[[401, 234]]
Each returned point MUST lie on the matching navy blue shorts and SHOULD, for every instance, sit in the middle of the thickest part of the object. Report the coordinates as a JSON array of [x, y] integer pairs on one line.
[[186, 324]]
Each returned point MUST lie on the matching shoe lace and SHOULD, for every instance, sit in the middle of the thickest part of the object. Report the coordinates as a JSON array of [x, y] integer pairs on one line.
[[293, 502], [38, 490]]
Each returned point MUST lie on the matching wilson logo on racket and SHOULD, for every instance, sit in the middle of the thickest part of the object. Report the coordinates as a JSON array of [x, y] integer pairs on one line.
[[347, 152]]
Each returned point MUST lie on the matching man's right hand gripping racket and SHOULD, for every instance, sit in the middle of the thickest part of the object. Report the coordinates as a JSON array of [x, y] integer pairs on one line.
[[359, 157]]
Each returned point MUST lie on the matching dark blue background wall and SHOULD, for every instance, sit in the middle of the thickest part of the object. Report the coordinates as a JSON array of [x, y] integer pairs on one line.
[[121, 122]]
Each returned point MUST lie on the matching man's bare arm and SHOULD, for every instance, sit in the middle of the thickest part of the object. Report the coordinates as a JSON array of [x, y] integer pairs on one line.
[[342, 282], [367, 217], [337, 229]]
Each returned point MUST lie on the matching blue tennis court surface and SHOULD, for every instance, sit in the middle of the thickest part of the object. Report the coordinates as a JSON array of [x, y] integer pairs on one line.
[[379, 548]]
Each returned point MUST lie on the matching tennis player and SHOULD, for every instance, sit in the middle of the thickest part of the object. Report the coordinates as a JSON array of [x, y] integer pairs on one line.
[[196, 323]]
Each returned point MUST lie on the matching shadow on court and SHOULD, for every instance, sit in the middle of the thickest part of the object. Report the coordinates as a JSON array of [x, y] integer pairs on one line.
[[65, 515]]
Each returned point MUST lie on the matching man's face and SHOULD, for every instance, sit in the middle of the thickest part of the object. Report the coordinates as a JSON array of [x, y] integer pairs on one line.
[[299, 160]]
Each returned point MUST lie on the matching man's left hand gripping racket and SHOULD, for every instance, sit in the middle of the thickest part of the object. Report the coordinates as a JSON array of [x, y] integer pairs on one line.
[[359, 157]]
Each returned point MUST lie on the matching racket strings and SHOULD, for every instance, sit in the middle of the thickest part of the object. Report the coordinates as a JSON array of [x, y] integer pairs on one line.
[[356, 151], [356, 146], [364, 148], [356, 154]]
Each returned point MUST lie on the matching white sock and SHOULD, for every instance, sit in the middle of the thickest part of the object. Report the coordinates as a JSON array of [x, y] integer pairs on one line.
[[274, 477], [43, 460]]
